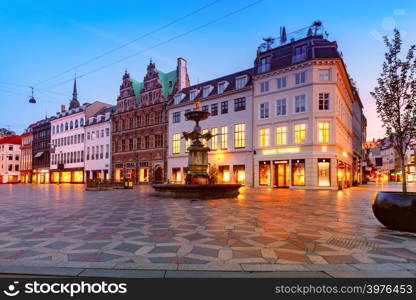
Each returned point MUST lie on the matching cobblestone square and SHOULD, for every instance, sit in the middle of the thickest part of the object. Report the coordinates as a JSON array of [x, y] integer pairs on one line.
[[262, 230]]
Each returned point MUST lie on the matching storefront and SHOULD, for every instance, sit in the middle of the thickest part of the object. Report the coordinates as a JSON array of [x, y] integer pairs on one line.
[[26, 177], [67, 176], [281, 173], [144, 172], [41, 176]]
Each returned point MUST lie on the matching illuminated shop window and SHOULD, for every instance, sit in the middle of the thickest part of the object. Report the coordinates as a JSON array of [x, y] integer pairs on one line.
[[264, 173], [324, 167], [298, 172], [78, 176]]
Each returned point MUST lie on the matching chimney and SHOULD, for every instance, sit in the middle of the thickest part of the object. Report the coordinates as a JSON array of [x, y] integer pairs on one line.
[[182, 71], [62, 108]]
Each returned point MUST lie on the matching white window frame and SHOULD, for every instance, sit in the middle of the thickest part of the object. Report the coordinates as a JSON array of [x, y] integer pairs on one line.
[[281, 79], [328, 71], [329, 101], [193, 94], [207, 88], [306, 104], [300, 78], [244, 77], [268, 110], [285, 100], [220, 84], [264, 83]]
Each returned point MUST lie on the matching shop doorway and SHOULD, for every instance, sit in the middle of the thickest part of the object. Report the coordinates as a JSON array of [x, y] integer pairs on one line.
[[281, 173]]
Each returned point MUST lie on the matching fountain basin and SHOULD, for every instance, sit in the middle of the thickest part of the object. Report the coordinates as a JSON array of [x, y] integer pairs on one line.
[[198, 191]]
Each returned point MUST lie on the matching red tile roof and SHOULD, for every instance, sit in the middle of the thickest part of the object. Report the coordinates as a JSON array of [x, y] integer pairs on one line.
[[14, 139]]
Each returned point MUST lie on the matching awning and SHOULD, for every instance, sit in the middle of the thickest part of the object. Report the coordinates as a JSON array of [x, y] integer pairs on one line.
[[39, 154]]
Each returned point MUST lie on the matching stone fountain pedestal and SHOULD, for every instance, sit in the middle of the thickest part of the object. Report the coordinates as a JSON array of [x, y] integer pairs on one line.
[[197, 182]]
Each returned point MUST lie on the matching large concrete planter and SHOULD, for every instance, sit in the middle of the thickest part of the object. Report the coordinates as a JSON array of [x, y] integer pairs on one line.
[[396, 210]]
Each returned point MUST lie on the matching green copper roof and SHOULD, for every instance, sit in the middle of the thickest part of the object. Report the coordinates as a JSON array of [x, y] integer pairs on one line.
[[137, 87], [164, 79]]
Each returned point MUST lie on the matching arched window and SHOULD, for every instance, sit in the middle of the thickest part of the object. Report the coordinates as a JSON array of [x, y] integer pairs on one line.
[[71, 125], [66, 125], [62, 127], [81, 122], [57, 128], [76, 123]]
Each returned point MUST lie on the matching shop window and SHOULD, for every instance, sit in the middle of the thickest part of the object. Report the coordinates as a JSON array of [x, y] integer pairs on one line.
[[298, 172], [264, 173], [224, 174], [176, 175], [144, 175], [78, 176], [324, 168], [239, 172]]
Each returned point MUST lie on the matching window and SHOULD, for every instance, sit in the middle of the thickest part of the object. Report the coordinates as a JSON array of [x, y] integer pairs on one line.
[[224, 137], [281, 82], [81, 122], [264, 64], [107, 132], [192, 95], [224, 107], [159, 140], [205, 108], [281, 135], [88, 135], [323, 75], [130, 144], [264, 110], [264, 87], [300, 78], [240, 135], [159, 117], [324, 168], [300, 104], [176, 117], [264, 137], [323, 101], [221, 87], [239, 104], [204, 141], [206, 91], [66, 126], [264, 173], [300, 133], [281, 107], [177, 99], [176, 143], [298, 172], [71, 125], [146, 142], [240, 82], [76, 123], [214, 139], [323, 132], [107, 151], [214, 109], [299, 53], [187, 145]]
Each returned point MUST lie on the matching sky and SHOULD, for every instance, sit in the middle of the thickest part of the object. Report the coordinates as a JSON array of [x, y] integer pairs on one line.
[[44, 43]]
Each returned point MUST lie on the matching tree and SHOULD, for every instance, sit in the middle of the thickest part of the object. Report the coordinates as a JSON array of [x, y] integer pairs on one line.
[[395, 96]]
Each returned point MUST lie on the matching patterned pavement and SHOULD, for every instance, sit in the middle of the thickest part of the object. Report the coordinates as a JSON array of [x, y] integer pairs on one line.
[[63, 225]]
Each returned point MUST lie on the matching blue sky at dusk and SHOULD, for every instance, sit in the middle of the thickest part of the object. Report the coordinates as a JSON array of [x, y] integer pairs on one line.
[[41, 39]]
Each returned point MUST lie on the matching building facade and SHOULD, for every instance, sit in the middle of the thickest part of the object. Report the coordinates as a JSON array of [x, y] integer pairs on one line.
[[41, 147], [68, 140], [10, 159], [359, 126], [229, 100], [26, 155], [302, 115], [140, 124], [98, 145]]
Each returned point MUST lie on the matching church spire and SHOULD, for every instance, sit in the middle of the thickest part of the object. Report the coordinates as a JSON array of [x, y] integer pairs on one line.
[[74, 102]]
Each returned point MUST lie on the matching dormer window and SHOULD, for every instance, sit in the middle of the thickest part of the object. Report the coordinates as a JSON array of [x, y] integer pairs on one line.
[[264, 64], [206, 91], [299, 53], [177, 99], [241, 82], [221, 87], [192, 95]]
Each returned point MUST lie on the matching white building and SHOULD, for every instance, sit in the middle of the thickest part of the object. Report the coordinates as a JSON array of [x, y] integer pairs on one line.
[[302, 115], [68, 140], [98, 145], [229, 100], [10, 159]]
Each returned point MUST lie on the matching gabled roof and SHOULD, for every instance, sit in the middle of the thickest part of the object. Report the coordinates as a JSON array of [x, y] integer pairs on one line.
[[14, 139], [137, 87], [164, 79]]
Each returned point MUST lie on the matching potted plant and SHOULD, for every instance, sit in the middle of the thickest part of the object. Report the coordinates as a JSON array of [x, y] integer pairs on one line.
[[395, 96]]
